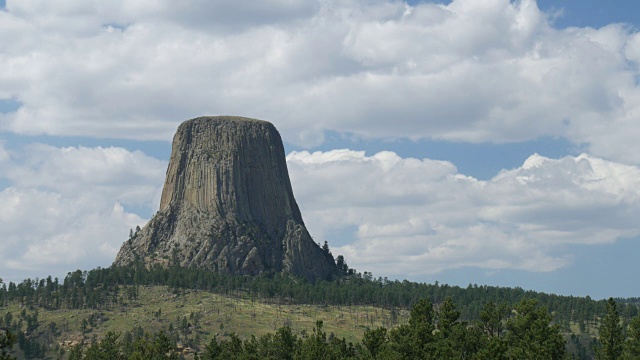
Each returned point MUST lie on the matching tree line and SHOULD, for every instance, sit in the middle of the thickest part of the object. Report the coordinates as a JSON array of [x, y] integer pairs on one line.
[[105, 288], [524, 331]]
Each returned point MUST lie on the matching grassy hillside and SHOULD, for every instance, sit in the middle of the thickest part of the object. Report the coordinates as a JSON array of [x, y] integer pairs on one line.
[[193, 305], [193, 317]]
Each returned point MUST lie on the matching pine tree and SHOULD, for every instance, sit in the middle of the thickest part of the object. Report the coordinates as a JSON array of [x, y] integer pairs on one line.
[[531, 334], [491, 318], [212, 350], [7, 340], [374, 340], [285, 342], [632, 345], [325, 248], [611, 337], [451, 333], [415, 339]]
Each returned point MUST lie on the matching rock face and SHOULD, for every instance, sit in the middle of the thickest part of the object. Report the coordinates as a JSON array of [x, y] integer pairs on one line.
[[227, 205]]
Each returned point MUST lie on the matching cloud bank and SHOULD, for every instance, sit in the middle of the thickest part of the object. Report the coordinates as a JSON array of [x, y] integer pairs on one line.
[[472, 71], [420, 216], [70, 208]]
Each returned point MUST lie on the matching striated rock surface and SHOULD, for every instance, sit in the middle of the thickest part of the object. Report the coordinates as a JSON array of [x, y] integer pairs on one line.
[[227, 205]]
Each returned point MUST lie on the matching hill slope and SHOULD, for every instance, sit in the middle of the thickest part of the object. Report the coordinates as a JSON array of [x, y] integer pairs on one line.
[[193, 305]]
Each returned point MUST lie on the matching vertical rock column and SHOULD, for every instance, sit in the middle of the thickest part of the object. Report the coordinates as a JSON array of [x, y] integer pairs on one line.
[[227, 205]]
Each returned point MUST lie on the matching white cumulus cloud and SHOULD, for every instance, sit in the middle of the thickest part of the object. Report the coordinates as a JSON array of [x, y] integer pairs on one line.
[[66, 208], [470, 71], [72, 207], [420, 216]]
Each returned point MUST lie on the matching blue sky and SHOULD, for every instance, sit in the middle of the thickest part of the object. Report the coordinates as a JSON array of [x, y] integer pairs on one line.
[[485, 142]]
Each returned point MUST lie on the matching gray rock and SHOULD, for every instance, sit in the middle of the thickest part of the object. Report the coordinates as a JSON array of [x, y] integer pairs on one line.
[[227, 205]]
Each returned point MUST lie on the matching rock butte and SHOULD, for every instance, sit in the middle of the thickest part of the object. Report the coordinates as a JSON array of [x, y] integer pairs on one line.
[[227, 205]]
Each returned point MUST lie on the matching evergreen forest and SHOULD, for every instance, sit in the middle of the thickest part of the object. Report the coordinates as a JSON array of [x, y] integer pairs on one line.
[[439, 322]]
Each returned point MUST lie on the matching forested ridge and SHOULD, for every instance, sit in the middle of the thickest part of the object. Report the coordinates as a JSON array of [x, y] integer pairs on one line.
[[575, 319], [105, 287]]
